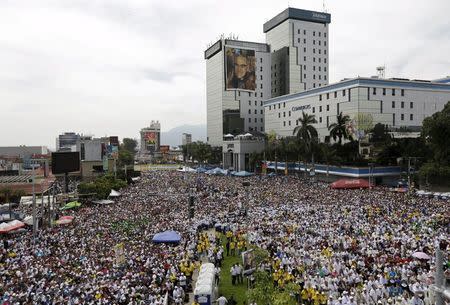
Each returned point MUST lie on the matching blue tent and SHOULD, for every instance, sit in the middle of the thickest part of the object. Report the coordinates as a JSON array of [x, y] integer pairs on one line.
[[242, 174], [167, 237], [201, 170]]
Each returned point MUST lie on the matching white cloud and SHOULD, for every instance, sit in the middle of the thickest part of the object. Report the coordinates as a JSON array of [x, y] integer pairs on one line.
[[110, 67]]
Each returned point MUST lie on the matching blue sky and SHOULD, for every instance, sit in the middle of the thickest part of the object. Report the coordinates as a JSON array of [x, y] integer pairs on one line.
[[110, 67]]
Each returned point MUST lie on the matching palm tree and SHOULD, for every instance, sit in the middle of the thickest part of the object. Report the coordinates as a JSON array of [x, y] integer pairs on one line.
[[306, 132], [329, 155], [339, 129]]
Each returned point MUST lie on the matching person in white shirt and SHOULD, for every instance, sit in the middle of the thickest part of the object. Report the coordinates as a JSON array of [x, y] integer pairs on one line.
[[222, 300]]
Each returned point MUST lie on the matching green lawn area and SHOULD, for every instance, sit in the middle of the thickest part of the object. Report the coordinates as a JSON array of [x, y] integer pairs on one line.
[[225, 287]]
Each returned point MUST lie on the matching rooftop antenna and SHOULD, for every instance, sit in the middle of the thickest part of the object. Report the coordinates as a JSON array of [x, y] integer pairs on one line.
[[381, 71]]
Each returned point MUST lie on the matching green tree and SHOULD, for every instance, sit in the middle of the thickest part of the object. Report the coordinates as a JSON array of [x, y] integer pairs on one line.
[[307, 134], [101, 186], [380, 134], [129, 144], [339, 129], [436, 132], [328, 154], [125, 158]]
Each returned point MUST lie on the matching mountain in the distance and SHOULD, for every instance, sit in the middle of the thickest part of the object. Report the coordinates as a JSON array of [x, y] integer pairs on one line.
[[173, 136]]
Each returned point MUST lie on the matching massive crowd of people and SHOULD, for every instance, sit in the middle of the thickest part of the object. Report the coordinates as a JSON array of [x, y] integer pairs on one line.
[[340, 246]]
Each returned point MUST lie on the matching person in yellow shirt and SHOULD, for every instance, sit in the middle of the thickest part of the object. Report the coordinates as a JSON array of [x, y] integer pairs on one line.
[[232, 248]]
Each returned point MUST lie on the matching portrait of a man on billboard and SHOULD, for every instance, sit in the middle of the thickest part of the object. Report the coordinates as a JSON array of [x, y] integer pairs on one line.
[[240, 69], [151, 137]]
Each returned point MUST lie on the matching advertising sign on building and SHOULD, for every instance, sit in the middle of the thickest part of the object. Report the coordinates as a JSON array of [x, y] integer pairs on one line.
[[150, 137], [240, 65]]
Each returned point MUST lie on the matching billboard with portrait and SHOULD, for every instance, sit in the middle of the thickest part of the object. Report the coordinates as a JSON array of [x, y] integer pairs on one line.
[[240, 66], [150, 138]]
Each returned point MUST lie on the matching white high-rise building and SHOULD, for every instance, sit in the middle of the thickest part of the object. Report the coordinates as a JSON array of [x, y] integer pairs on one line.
[[237, 83], [298, 41]]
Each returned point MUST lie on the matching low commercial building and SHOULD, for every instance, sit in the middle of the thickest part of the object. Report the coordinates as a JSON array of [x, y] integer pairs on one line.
[[237, 151], [401, 104]]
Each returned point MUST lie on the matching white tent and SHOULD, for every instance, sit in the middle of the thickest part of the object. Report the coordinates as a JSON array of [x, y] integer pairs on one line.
[[104, 201], [114, 193], [187, 169]]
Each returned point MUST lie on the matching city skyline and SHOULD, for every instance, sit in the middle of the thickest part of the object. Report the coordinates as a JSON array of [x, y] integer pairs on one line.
[[111, 68]]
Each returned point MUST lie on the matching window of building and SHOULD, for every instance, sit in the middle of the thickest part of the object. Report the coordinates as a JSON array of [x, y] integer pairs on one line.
[[411, 105], [298, 31], [284, 114], [304, 40], [314, 76], [314, 110], [393, 104], [325, 69], [256, 120], [325, 34], [256, 103], [314, 33], [320, 76], [411, 117], [328, 107], [284, 105], [284, 123], [249, 111], [393, 119], [279, 106], [304, 67], [249, 103], [320, 51], [320, 97], [249, 94], [314, 68], [304, 58], [374, 92], [319, 42], [289, 123], [314, 51], [279, 115], [314, 42], [304, 76], [325, 43], [270, 107], [393, 92], [319, 33], [260, 69], [328, 96], [320, 108], [261, 111], [260, 103], [320, 60], [262, 120], [314, 85], [381, 106], [402, 116], [304, 50], [343, 92], [320, 119], [260, 77], [384, 91], [296, 122], [335, 94], [325, 60], [249, 120], [261, 86], [320, 69], [255, 94], [304, 32], [402, 92], [402, 105], [298, 40], [256, 111], [262, 128], [289, 113]]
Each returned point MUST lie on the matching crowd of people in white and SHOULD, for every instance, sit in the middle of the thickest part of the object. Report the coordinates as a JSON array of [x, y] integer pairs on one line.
[[352, 246]]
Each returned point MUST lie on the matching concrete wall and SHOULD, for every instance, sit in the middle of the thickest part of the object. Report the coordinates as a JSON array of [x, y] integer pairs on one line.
[[22, 151]]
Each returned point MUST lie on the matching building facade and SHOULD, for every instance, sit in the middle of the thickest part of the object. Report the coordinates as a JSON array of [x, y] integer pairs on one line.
[[299, 50], [150, 139], [398, 103], [67, 141], [186, 139], [22, 151], [235, 97]]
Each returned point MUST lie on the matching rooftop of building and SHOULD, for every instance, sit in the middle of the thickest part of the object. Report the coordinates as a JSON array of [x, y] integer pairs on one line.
[[217, 46], [402, 83], [296, 14]]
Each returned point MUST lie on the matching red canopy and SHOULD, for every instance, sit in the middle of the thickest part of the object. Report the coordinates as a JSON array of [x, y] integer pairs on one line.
[[350, 184]]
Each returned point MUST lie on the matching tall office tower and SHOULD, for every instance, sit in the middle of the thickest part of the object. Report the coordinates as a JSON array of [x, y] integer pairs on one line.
[[298, 41], [237, 82], [150, 139]]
